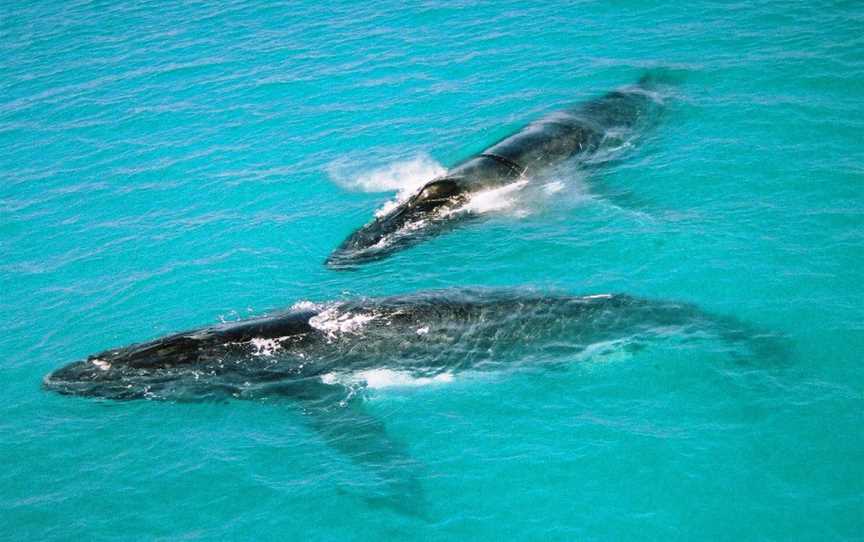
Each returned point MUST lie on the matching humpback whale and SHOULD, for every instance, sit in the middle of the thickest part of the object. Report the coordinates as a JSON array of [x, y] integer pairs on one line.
[[577, 133], [322, 357]]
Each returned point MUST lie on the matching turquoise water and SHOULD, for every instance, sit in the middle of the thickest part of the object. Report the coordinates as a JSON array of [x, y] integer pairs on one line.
[[168, 165]]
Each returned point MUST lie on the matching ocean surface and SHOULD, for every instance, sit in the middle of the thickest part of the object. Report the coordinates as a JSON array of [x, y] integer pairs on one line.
[[171, 165]]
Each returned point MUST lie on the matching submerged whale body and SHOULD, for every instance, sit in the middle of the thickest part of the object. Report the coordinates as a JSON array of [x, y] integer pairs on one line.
[[578, 133], [321, 357]]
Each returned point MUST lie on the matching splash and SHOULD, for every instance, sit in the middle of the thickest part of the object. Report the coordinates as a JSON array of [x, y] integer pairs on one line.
[[403, 176], [503, 198]]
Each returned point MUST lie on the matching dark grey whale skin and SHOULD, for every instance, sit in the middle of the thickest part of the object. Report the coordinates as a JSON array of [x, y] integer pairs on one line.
[[423, 334], [290, 353], [576, 133]]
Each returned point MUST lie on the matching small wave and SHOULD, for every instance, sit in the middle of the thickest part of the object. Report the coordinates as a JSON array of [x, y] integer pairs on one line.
[[616, 142], [657, 96], [612, 351]]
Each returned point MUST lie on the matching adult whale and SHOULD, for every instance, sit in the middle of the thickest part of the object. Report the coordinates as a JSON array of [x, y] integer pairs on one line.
[[322, 357], [329, 347], [577, 133]]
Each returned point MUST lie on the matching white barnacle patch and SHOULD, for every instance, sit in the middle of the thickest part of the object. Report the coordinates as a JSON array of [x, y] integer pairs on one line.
[[102, 365], [333, 323], [266, 347]]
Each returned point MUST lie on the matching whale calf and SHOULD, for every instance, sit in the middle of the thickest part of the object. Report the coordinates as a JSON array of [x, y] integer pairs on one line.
[[322, 357], [578, 133]]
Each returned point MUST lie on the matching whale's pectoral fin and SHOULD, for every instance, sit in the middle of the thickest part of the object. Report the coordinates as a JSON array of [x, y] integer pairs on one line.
[[337, 414], [748, 343]]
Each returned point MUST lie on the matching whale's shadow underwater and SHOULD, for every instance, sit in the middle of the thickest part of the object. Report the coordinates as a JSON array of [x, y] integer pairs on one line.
[[584, 136], [320, 357]]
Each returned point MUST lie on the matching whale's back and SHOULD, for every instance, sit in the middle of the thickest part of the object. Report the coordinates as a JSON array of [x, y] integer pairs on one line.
[[580, 130]]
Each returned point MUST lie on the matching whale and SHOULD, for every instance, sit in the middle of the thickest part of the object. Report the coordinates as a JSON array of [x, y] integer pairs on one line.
[[325, 358], [312, 346], [576, 134]]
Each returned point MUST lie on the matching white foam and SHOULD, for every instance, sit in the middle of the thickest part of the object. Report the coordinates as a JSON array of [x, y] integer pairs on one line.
[[553, 187], [496, 199], [305, 306], [330, 378], [388, 206], [502, 198], [385, 378]]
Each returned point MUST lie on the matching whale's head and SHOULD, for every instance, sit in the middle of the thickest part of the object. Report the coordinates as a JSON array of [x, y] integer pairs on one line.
[[421, 215], [101, 377], [138, 371], [93, 377]]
